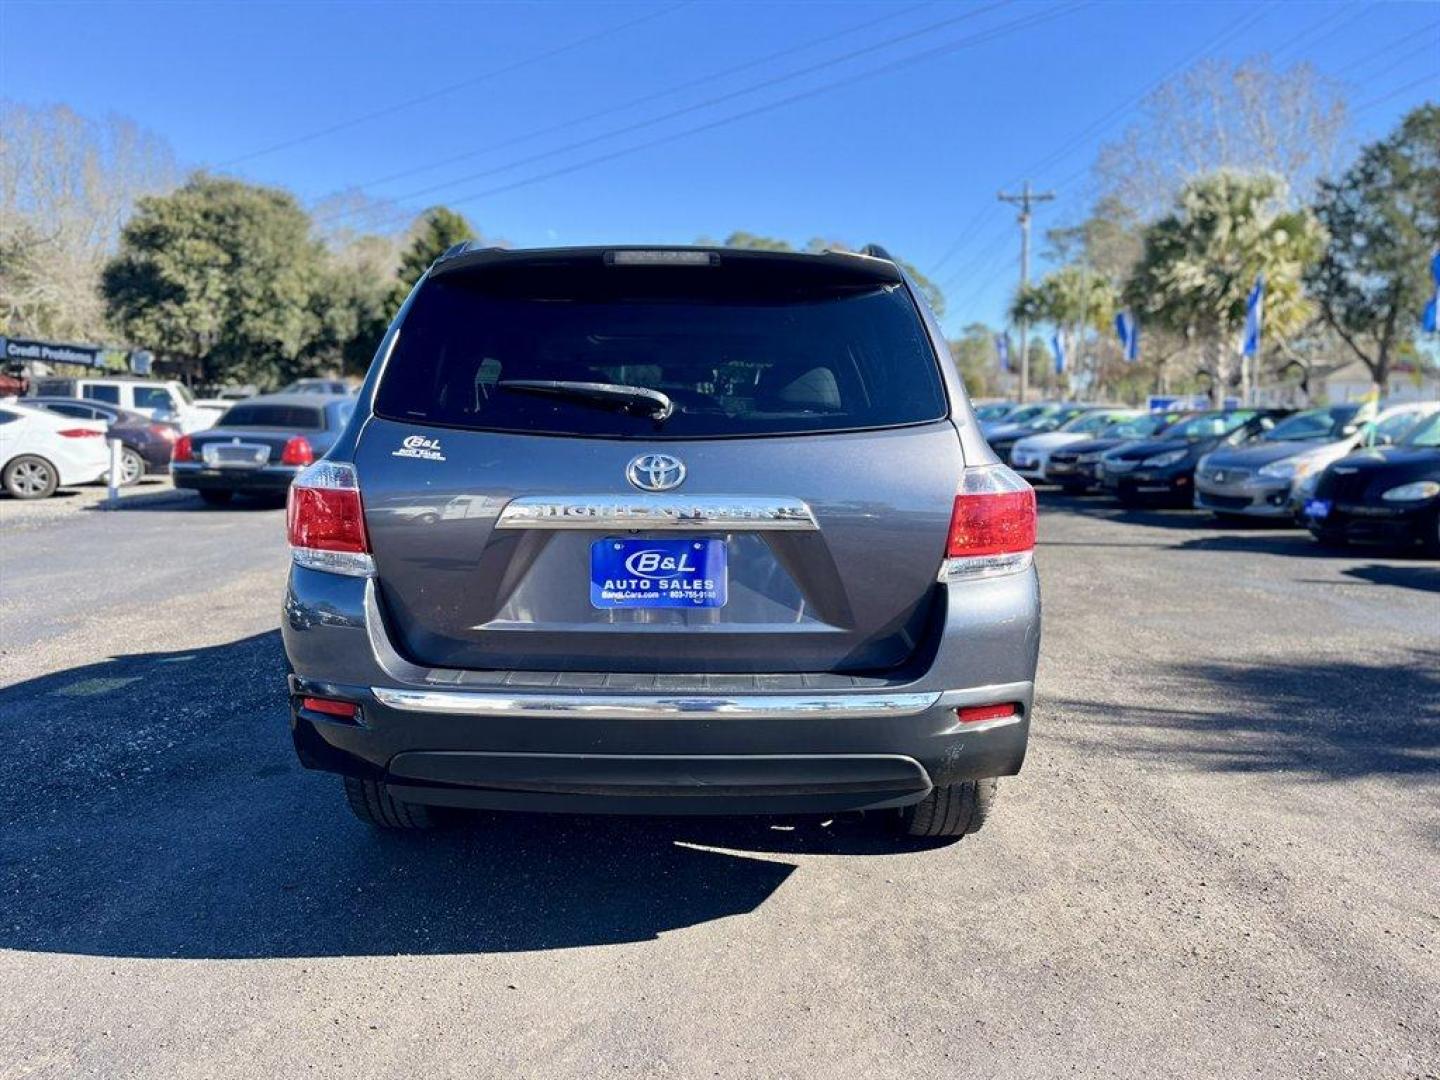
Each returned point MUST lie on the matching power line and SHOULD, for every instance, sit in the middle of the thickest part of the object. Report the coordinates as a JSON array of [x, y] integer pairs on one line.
[[1384, 49], [1233, 29], [977, 38], [644, 99], [1427, 77], [431, 95], [687, 109]]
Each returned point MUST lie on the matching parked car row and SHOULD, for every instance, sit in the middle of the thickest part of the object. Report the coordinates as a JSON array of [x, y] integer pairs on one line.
[[154, 421], [1345, 477]]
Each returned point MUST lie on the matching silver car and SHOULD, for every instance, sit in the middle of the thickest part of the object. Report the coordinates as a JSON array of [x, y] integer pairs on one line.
[[731, 541], [1255, 479]]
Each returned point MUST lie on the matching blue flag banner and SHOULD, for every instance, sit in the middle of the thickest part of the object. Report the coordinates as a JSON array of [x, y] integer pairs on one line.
[[1254, 317], [1429, 320], [1002, 351], [1058, 344], [1128, 330]]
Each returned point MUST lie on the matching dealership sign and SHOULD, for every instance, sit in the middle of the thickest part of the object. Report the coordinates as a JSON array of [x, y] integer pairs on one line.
[[22, 350]]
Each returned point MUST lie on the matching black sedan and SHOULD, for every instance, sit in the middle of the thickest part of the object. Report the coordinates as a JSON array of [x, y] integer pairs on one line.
[[259, 445], [1162, 469], [1073, 467], [1385, 495], [146, 444]]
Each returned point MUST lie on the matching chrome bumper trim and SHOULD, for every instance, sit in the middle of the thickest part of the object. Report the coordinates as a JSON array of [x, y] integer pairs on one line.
[[655, 707], [656, 512]]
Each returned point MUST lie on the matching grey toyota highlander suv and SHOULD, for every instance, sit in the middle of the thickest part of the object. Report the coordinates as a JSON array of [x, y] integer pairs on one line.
[[663, 531]]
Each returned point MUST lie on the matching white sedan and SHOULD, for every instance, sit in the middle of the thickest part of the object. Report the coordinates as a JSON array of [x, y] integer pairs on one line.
[[41, 451], [1030, 455]]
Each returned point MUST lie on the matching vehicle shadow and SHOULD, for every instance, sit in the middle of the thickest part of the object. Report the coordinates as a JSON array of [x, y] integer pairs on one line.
[[1329, 719], [153, 807], [1424, 578]]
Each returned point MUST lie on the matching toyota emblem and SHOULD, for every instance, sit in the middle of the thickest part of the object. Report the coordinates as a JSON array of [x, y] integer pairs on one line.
[[655, 472]]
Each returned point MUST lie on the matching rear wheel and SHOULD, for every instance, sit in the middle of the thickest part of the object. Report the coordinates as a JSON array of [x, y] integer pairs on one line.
[[216, 498], [132, 467], [372, 804], [951, 810], [30, 477]]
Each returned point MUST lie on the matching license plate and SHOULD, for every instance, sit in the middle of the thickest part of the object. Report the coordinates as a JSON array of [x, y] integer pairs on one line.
[[1317, 508], [626, 572]]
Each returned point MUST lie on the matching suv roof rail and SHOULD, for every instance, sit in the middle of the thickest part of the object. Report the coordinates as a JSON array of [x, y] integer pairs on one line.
[[454, 249]]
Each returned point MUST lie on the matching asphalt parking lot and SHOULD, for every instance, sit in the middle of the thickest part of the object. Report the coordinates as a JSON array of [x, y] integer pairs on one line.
[[1220, 858]]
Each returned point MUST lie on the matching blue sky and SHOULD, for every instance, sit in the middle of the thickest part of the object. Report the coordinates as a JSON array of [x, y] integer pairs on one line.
[[904, 144]]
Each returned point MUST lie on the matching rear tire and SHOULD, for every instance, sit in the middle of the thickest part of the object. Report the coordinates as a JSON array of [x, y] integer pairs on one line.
[[132, 467], [216, 497], [951, 810], [372, 804], [30, 477]]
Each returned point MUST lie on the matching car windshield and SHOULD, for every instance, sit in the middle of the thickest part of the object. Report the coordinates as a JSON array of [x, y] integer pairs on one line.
[[1424, 434], [985, 413], [737, 351], [1137, 427], [1028, 413], [1087, 423], [1313, 425], [1210, 425]]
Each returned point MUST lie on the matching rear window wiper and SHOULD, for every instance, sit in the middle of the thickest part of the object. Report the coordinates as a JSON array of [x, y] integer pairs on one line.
[[631, 399]]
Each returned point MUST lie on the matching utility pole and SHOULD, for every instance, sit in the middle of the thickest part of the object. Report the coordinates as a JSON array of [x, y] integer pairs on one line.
[[1025, 200]]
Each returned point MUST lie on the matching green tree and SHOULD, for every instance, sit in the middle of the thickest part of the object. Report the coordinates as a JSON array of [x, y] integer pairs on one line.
[[1383, 219], [217, 277], [1199, 263], [1074, 300], [350, 309], [434, 233], [974, 355]]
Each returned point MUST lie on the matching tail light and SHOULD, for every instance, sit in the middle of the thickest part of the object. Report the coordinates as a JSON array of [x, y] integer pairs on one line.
[[183, 450], [992, 525], [165, 431], [326, 522], [81, 433], [297, 452]]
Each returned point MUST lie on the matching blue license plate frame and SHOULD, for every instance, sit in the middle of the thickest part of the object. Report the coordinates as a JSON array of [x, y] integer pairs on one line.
[[650, 572]]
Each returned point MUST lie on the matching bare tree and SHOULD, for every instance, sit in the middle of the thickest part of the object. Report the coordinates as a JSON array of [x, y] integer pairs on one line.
[[1248, 117], [67, 184]]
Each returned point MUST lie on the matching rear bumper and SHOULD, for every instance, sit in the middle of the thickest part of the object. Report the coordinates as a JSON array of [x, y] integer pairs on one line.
[[589, 742], [662, 754], [272, 479]]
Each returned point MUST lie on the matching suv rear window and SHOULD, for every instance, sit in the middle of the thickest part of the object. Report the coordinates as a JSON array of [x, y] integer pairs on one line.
[[290, 417], [739, 351]]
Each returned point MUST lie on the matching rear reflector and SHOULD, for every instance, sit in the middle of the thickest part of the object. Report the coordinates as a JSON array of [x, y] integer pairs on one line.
[[992, 524], [974, 714], [80, 433], [329, 707], [325, 521]]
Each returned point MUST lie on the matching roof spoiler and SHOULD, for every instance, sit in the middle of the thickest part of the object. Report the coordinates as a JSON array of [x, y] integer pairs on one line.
[[872, 263]]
